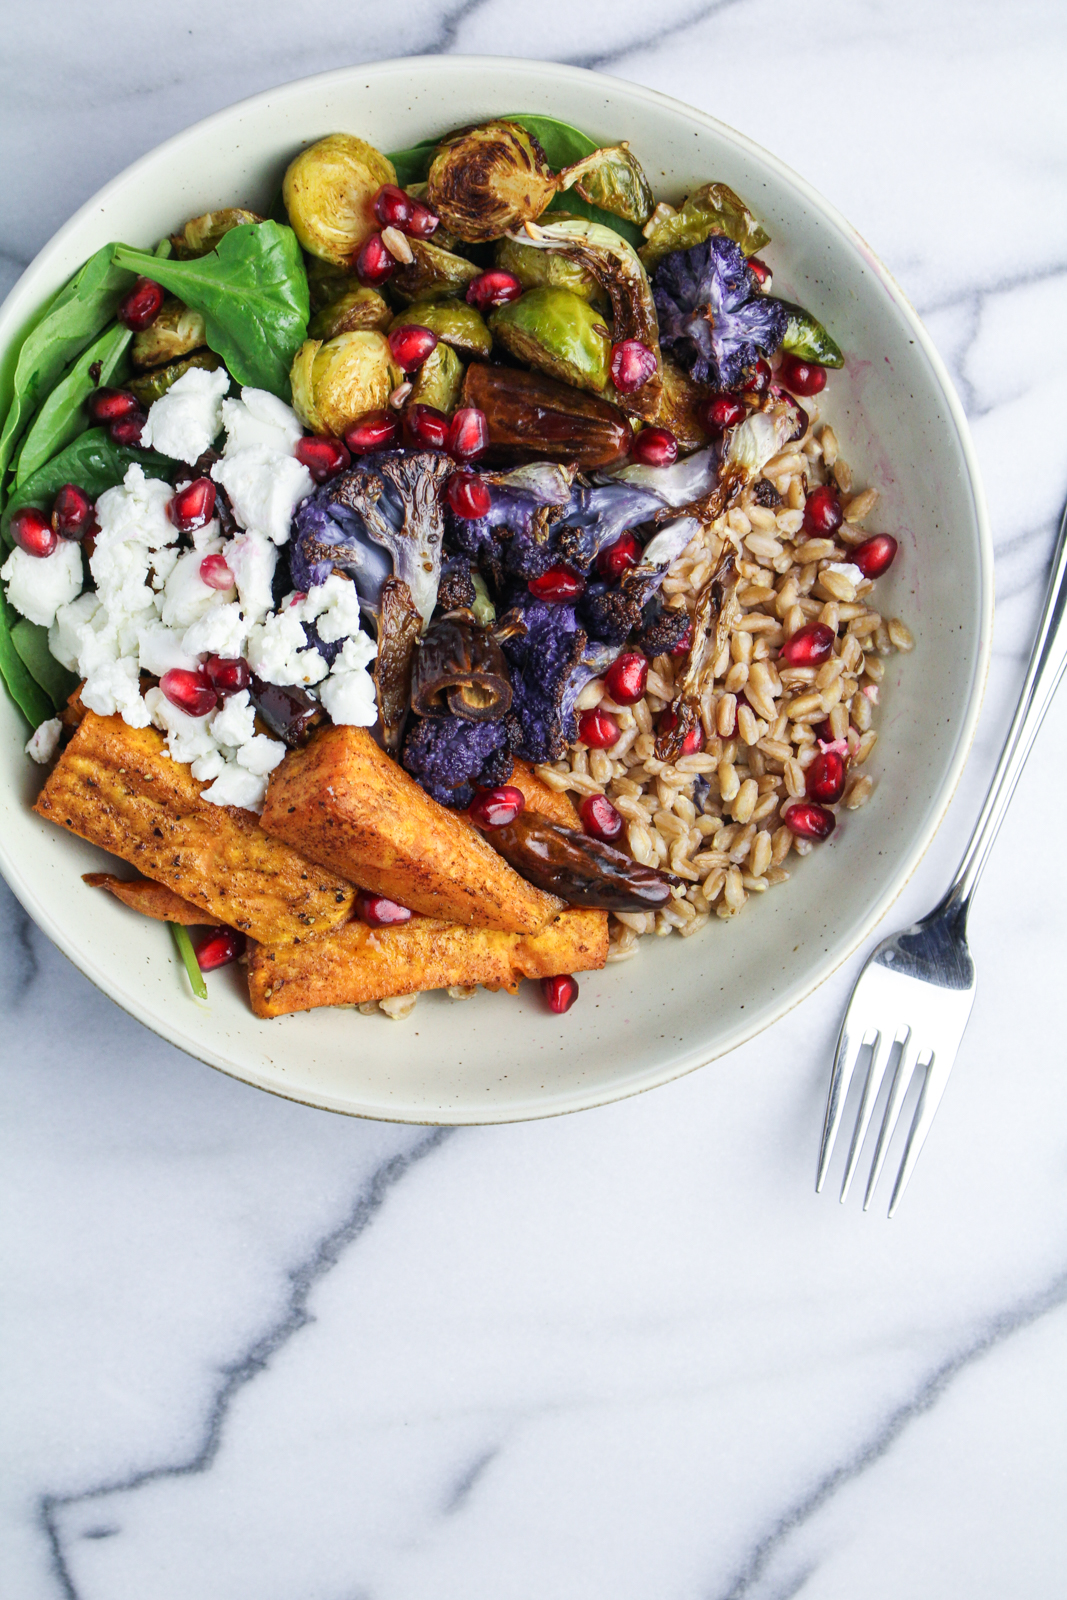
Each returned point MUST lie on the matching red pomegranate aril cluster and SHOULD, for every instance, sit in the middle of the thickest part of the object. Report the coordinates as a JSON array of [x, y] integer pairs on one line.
[[72, 512], [875, 555], [809, 821], [376, 431], [757, 378], [598, 729], [215, 573], [468, 433], [468, 496], [32, 532], [822, 511], [599, 818], [560, 993], [632, 364], [824, 780], [494, 288], [228, 675], [693, 740], [556, 585], [723, 411], [191, 692], [141, 306], [655, 447], [374, 264], [193, 506], [378, 912], [128, 431], [496, 808], [395, 209], [323, 457], [810, 646], [626, 678], [426, 428], [801, 377], [619, 557], [411, 344], [112, 405], [218, 949]]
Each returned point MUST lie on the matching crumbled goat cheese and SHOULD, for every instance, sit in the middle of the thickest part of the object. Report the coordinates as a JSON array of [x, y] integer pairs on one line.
[[356, 653], [45, 742], [236, 787], [221, 632], [264, 480], [260, 418], [186, 597], [235, 721], [185, 421], [133, 545], [847, 569], [349, 698], [116, 687], [278, 651], [252, 560], [334, 608], [188, 738], [260, 754], [64, 634], [38, 585], [160, 648]]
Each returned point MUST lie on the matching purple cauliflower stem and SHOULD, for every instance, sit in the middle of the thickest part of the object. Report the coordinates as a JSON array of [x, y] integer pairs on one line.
[[327, 535], [710, 320], [552, 660], [450, 757], [596, 518]]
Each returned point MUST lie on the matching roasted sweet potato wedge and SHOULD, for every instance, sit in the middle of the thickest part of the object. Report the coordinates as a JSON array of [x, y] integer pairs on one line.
[[151, 899], [357, 963], [115, 786], [539, 797], [341, 801]]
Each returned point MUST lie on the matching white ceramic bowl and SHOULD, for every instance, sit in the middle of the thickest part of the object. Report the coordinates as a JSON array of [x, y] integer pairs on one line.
[[680, 1003]]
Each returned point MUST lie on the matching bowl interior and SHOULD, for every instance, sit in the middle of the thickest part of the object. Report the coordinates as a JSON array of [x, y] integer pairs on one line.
[[679, 1002]]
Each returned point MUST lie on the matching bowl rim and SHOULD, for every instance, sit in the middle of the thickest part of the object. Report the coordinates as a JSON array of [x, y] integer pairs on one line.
[[23, 300]]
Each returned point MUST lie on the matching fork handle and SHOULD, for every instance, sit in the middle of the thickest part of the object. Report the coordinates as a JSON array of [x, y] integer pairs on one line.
[[1047, 662]]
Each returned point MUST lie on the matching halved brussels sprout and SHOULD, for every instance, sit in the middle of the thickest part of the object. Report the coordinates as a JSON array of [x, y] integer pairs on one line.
[[613, 179], [453, 321], [679, 406], [326, 282], [201, 234], [175, 331], [439, 380], [806, 337], [329, 190], [150, 386], [351, 311], [487, 179], [556, 332], [534, 268], [432, 273], [336, 382], [712, 209]]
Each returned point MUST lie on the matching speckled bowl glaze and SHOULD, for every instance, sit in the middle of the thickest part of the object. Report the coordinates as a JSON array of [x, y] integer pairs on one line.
[[680, 1003]]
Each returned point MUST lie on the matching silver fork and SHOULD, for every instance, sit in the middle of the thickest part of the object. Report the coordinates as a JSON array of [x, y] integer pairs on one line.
[[916, 989]]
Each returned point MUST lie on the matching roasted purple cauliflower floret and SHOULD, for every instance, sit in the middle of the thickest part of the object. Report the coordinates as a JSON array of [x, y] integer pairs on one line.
[[552, 660], [596, 518], [609, 614], [516, 534], [451, 756], [327, 535], [710, 320]]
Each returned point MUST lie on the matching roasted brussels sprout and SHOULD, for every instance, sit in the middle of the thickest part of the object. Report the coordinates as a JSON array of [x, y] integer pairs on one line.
[[805, 337], [175, 331], [613, 179], [439, 381], [329, 192], [150, 386], [339, 380], [454, 322], [713, 209], [532, 418], [535, 268], [432, 273], [326, 282], [202, 234], [487, 179], [352, 311], [557, 332]]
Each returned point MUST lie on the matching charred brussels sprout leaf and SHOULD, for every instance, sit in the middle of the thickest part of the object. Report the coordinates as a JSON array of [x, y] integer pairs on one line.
[[342, 379], [202, 234], [487, 179], [329, 190], [680, 402], [537, 269], [454, 322], [614, 180], [558, 333], [807, 338], [432, 273], [351, 312], [150, 386], [175, 331], [439, 381], [713, 209]]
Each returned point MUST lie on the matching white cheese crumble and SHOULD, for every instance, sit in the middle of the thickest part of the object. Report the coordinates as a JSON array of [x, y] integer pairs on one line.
[[45, 741], [159, 649], [186, 597], [278, 651], [38, 585], [220, 632], [185, 421], [264, 480], [349, 699], [115, 687], [252, 560], [847, 569], [333, 606]]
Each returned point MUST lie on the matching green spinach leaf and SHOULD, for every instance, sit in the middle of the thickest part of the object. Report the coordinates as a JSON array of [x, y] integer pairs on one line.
[[31, 642], [36, 706], [252, 292], [94, 462], [63, 416]]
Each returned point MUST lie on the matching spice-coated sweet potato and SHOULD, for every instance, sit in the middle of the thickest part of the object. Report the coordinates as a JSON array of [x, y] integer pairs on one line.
[[151, 899], [357, 963], [341, 801], [116, 787]]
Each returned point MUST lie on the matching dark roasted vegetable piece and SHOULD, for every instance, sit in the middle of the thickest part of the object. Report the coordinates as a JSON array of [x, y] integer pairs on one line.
[[460, 668], [399, 504], [712, 209], [578, 868], [552, 660], [173, 334], [456, 591], [487, 179], [680, 404], [432, 273], [149, 386], [557, 332], [451, 756], [399, 625], [290, 714], [710, 320], [353, 310], [532, 418]]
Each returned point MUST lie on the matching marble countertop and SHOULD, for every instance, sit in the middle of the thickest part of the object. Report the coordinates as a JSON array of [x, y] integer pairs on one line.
[[256, 1352]]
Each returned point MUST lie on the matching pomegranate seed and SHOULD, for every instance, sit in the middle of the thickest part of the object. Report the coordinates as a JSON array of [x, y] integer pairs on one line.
[[721, 412], [468, 496], [619, 557], [760, 270], [468, 435], [810, 646], [191, 692], [558, 583], [226, 675], [378, 912], [598, 729], [600, 818], [72, 512], [215, 573], [876, 555], [809, 821], [425, 427], [655, 447], [757, 378], [822, 511], [374, 263], [493, 288], [110, 405], [825, 778], [693, 739], [141, 305], [632, 364], [219, 949], [823, 731], [495, 808], [423, 221], [625, 679], [193, 506], [411, 344], [392, 207], [561, 992], [32, 532], [802, 377], [128, 430], [376, 431], [324, 458], [682, 647]]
